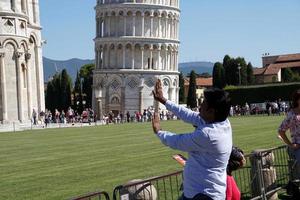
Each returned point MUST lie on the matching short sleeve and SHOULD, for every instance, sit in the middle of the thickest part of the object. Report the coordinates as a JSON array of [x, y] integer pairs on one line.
[[286, 124]]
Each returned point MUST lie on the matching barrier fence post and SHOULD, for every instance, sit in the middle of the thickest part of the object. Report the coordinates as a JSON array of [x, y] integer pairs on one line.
[[263, 173]]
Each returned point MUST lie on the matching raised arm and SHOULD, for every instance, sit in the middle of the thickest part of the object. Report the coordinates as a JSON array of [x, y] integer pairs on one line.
[[183, 113]]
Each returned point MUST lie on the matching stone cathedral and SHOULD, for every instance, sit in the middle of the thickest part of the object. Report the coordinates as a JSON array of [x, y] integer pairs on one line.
[[21, 67], [136, 43]]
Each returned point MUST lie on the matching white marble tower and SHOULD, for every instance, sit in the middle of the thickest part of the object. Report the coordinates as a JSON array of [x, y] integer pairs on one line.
[[136, 42], [21, 67]]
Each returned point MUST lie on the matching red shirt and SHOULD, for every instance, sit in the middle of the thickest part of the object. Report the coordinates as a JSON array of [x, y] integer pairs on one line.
[[232, 191]]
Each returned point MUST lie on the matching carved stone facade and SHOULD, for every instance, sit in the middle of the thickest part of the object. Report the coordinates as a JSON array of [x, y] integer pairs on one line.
[[21, 67], [136, 43]]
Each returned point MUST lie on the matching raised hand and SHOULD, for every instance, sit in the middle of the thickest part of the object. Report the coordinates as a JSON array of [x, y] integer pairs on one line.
[[158, 92]]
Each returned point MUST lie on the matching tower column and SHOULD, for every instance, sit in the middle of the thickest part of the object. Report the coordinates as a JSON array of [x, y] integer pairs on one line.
[[124, 58], [134, 24], [19, 86], [142, 60], [159, 28], [151, 58], [143, 25], [125, 24], [151, 25], [132, 56], [29, 90], [3, 87], [159, 59]]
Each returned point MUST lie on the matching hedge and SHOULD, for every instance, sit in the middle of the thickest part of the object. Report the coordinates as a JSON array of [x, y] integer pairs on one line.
[[261, 93]]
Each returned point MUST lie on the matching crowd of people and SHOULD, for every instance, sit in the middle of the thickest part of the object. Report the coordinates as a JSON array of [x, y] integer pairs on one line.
[[64, 117], [266, 108]]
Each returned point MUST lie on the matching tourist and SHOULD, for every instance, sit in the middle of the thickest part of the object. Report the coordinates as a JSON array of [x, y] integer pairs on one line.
[[292, 123], [236, 161], [209, 146], [34, 115]]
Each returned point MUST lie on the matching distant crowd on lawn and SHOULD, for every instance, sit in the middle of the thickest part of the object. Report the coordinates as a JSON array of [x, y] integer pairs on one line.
[[88, 115], [268, 108]]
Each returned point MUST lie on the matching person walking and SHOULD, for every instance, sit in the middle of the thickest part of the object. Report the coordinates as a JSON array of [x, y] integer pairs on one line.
[[209, 146]]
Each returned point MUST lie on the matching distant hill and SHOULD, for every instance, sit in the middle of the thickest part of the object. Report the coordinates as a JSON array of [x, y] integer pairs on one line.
[[72, 65], [198, 67]]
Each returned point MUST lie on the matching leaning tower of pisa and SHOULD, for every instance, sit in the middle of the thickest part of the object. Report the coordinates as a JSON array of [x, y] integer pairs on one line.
[[136, 43], [21, 67]]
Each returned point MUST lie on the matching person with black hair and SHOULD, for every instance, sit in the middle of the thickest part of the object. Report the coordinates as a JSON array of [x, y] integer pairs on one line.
[[236, 161], [209, 146], [292, 122]]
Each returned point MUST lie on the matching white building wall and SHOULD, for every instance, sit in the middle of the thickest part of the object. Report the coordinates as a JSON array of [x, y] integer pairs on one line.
[[22, 84]]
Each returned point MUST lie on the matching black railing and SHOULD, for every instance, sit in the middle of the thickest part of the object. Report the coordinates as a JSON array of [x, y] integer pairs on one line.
[[265, 173], [93, 196], [160, 187]]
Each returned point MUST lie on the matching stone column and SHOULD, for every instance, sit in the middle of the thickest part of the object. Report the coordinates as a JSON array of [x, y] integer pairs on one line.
[[143, 25], [132, 57], [19, 85], [151, 58], [159, 59], [159, 28], [142, 60], [39, 77], [108, 27], [134, 24], [123, 96], [124, 24], [3, 88], [151, 25], [166, 27], [170, 93], [29, 90], [141, 103], [124, 58]]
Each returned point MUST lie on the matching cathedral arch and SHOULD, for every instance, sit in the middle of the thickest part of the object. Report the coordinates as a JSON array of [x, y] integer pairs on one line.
[[12, 42]]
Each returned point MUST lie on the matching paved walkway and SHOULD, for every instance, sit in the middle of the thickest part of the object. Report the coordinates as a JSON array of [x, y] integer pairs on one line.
[[13, 127]]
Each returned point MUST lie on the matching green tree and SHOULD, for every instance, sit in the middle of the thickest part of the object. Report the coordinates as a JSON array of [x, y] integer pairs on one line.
[[192, 98], [287, 75], [58, 93], [219, 75], [181, 89], [227, 67], [78, 93], [86, 72], [50, 96], [250, 76]]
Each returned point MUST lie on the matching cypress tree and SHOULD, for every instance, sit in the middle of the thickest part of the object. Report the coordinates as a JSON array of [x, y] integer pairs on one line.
[[219, 75], [192, 98], [250, 77], [181, 90], [86, 72]]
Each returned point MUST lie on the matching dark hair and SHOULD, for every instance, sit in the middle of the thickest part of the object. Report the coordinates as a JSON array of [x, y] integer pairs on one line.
[[235, 160], [218, 100], [295, 98]]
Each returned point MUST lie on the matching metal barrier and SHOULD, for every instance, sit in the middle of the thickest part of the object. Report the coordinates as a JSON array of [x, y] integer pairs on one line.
[[160, 187], [93, 196], [266, 172]]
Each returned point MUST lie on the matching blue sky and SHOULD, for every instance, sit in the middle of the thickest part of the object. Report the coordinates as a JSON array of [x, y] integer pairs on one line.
[[209, 29]]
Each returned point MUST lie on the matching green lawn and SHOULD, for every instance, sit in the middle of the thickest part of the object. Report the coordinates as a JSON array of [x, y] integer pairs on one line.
[[62, 163]]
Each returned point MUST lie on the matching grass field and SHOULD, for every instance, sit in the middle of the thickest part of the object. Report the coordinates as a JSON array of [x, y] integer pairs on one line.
[[63, 163]]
